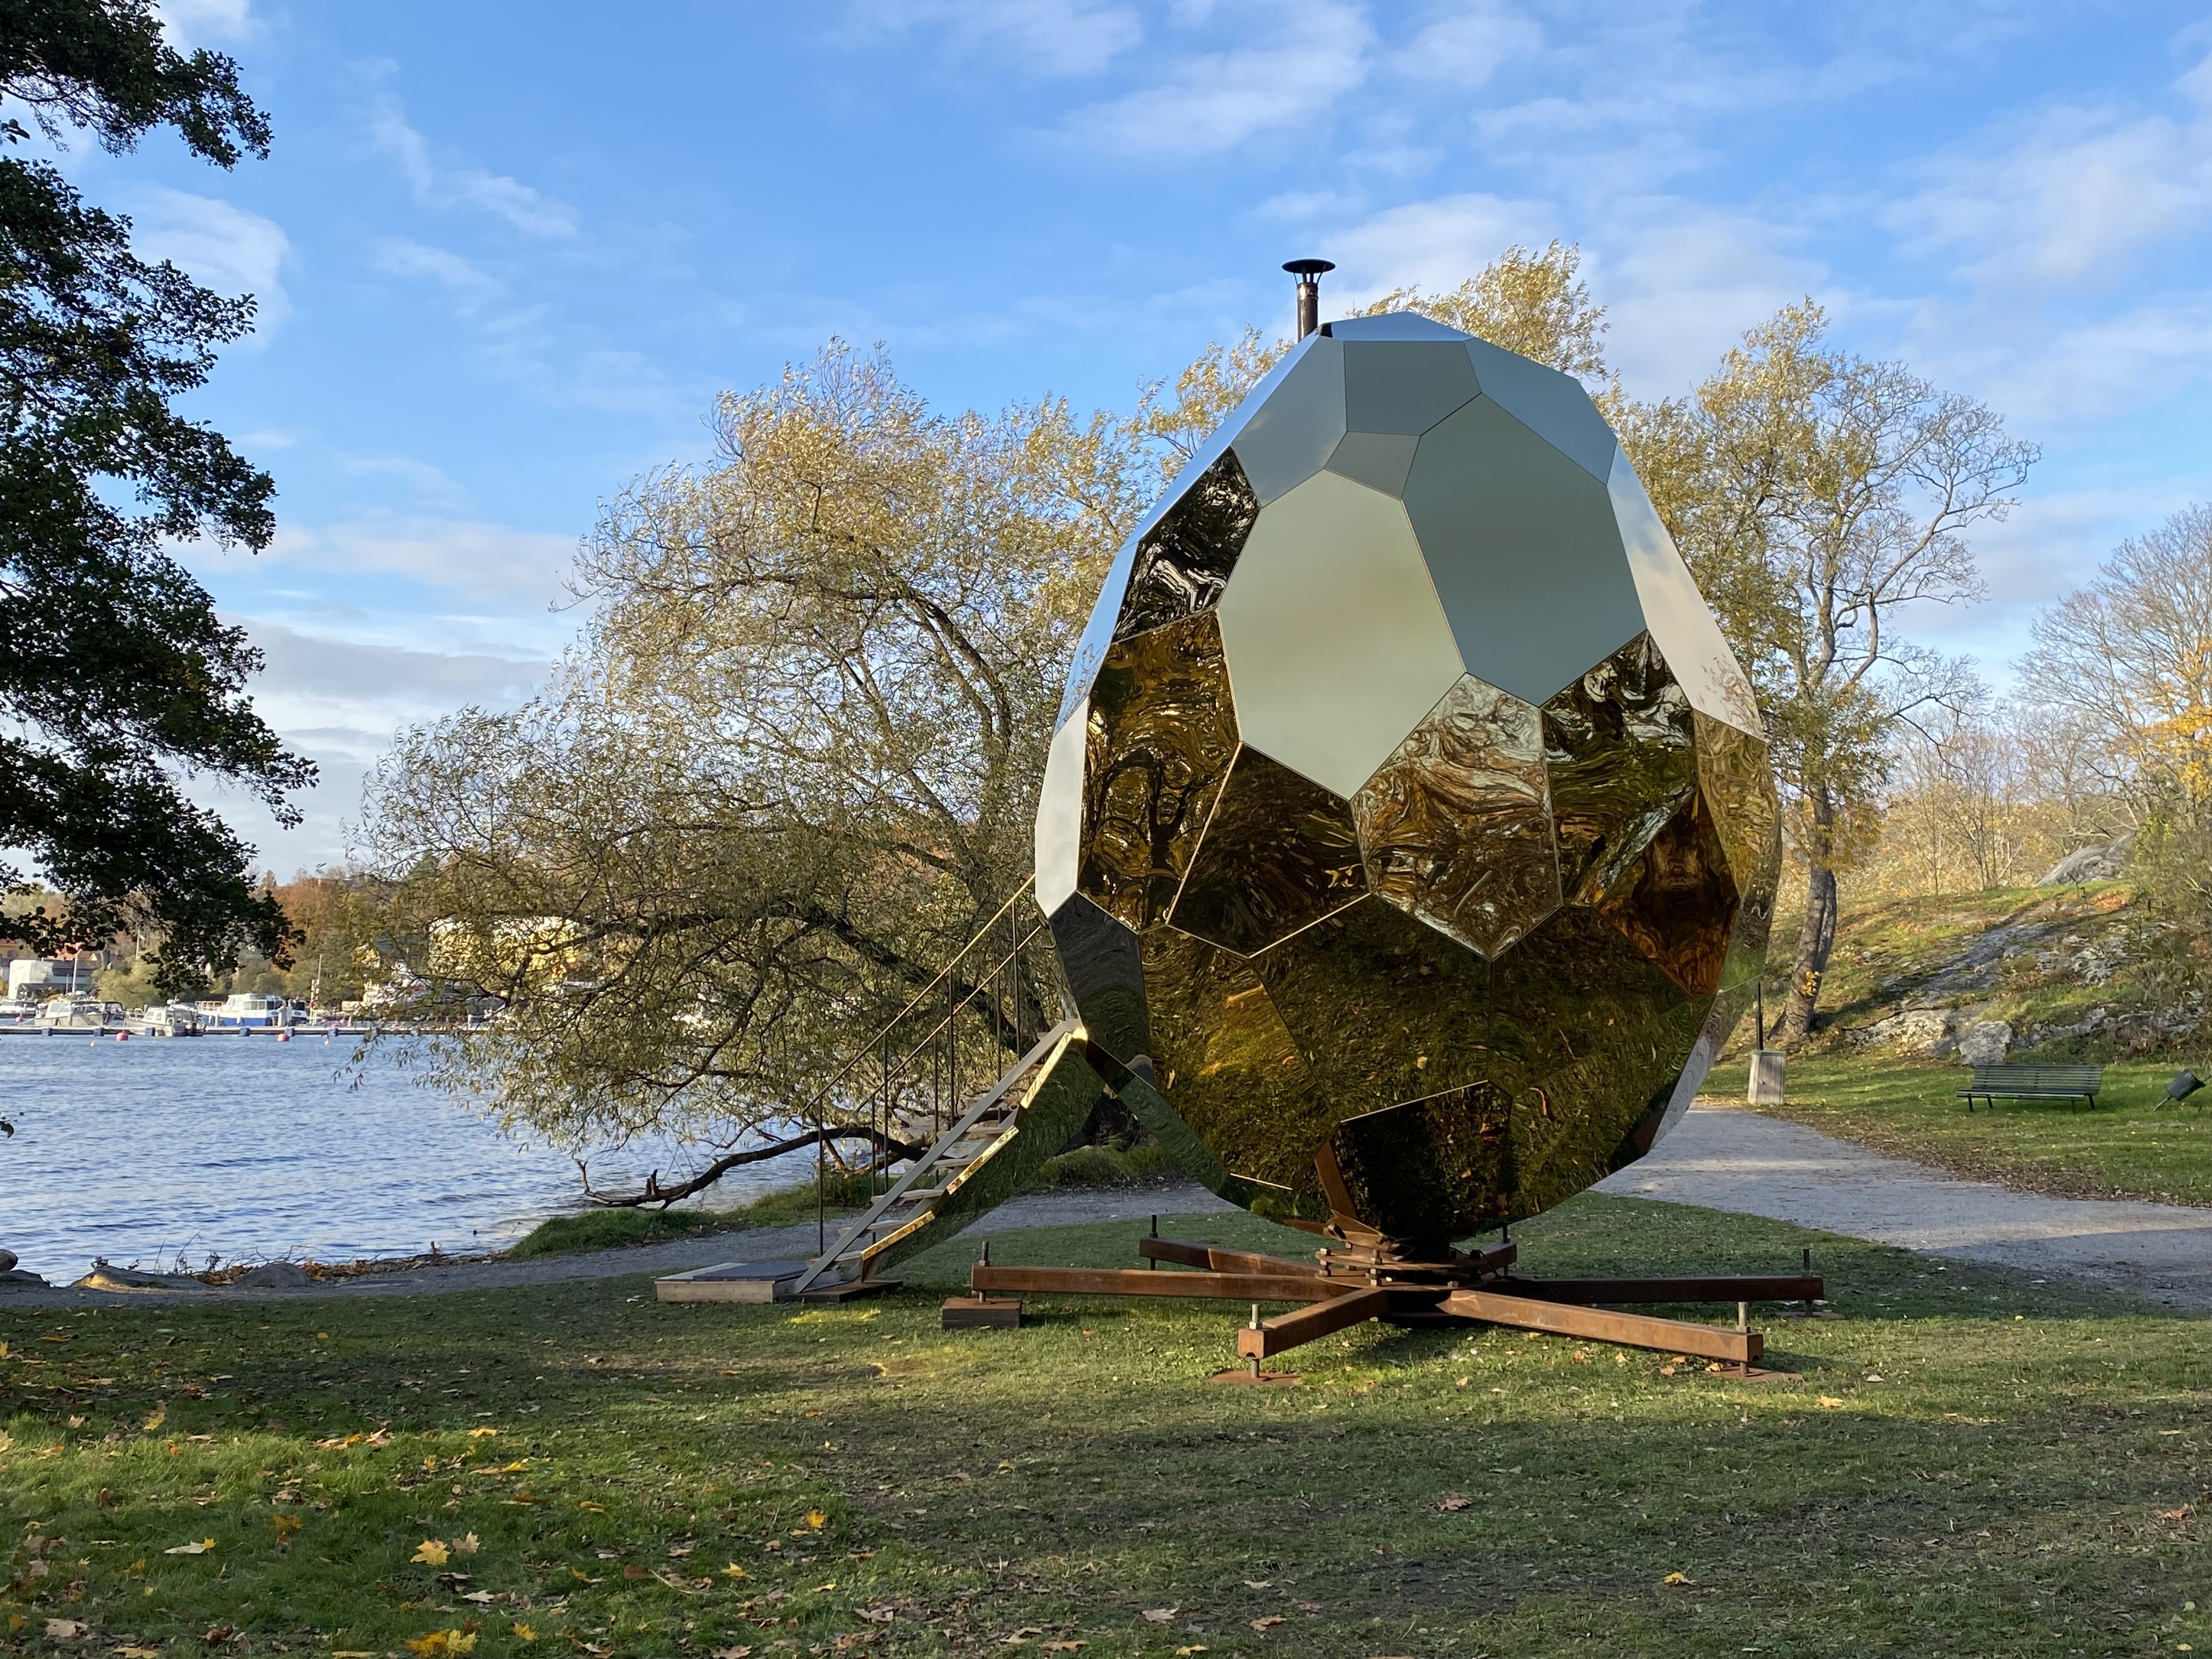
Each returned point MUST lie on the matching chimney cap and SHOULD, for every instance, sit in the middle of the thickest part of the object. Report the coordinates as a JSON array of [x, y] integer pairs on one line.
[[1308, 267]]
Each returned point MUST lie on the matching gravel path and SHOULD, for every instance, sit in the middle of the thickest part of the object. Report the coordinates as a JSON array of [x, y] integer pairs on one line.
[[1720, 1157], [1727, 1158]]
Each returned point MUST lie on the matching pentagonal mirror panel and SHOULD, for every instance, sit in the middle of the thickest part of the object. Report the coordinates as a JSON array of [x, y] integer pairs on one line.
[[1546, 402], [1225, 1062], [1059, 812], [1620, 746], [1739, 790], [1524, 549], [1279, 854], [1337, 645], [1101, 962], [1288, 438], [1184, 559], [1678, 904], [1454, 824], [1160, 732], [1404, 386], [1575, 988], [1392, 325], [1098, 631], [1378, 459], [1676, 613], [1382, 1008], [1429, 1170]]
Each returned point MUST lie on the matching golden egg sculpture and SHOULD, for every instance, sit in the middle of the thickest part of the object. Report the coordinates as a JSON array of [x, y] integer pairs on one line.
[[1409, 838]]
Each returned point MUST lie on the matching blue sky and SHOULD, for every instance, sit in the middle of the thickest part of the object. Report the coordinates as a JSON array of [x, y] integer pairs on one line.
[[508, 255]]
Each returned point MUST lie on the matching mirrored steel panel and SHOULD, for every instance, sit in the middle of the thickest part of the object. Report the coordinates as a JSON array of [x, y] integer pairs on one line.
[[1288, 438], [1059, 812], [1548, 403], [1676, 613], [1677, 905], [1404, 386], [1619, 751], [1279, 854], [1739, 789], [1418, 1171], [1392, 325], [1337, 645], [1183, 561], [1524, 551], [1102, 964], [1455, 825], [1378, 459], [1160, 732]]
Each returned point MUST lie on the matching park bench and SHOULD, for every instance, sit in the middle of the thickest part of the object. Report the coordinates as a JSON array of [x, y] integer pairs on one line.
[[1994, 1083]]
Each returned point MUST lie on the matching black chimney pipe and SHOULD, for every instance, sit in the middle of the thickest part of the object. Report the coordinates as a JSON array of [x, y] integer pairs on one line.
[[1308, 272]]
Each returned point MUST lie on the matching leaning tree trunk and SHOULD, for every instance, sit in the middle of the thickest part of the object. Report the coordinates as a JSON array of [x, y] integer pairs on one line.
[[1818, 937]]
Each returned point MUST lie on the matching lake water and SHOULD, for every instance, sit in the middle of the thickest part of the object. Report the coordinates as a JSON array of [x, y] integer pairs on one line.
[[244, 1147]]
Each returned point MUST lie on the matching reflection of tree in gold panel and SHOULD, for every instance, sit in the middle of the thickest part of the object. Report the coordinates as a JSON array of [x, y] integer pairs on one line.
[[1162, 733], [1455, 823], [1679, 904], [1280, 853], [1620, 758]]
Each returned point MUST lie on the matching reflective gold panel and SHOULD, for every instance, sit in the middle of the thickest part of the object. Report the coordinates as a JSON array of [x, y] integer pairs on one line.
[[1279, 854], [1161, 735], [1455, 825], [1619, 749], [1677, 905], [1419, 1171], [1183, 561]]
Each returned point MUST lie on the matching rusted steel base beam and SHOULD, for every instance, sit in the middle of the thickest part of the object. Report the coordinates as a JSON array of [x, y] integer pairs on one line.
[[1745, 1288], [1221, 1259], [1630, 1330], [1288, 1330], [1145, 1281]]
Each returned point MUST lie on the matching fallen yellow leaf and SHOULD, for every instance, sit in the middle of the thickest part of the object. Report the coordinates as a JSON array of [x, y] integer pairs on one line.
[[1268, 1623], [817, 1519], [1676, 1578], [431, 1553], [443, 1642], [466, 1544], [136, 1653], [65, 1628], [161, 1416], [1830, 1401], [1185, 1653], [478, 1434], [523, 1633], [286, 1526], [1161, 1615], [200, 1548], [734, 1570], [590, 1508]]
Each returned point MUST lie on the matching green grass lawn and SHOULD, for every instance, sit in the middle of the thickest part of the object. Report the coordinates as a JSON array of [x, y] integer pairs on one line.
[[1960, 1464], [2126, 1148]]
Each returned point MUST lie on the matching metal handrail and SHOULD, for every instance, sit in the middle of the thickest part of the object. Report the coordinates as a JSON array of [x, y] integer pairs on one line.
[[931, 1062]]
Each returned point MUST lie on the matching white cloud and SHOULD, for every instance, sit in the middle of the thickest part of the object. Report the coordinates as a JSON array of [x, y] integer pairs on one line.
[[1681, 282], [1433, 244], [495, 561], [228, 248], [1048, 37], [2086, 369], [189, 24], [334, 685], [1215, 101], [1466, 46], [2068, 199], [468, 282], [436, 185]]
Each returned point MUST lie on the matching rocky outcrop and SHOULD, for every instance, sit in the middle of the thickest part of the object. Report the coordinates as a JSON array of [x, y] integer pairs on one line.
[[1985, 1043], [2100, 862], [1912, 1032]]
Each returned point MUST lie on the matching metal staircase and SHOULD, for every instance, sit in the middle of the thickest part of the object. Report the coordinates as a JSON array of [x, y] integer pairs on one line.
[[984, 1016], [919, 1200]]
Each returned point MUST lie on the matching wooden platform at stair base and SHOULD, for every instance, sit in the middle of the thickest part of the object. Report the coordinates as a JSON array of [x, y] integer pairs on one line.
[[731, 1281], [983, 1313], [759, 1281]]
